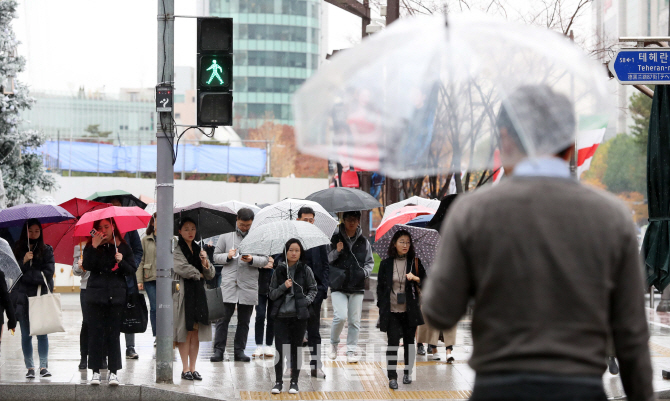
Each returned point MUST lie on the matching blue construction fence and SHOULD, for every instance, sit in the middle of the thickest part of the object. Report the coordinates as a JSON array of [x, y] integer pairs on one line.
[[105, 158]]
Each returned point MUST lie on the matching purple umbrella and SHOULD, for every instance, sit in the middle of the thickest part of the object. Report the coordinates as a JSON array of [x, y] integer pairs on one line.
[[425, 242], [18, 215]]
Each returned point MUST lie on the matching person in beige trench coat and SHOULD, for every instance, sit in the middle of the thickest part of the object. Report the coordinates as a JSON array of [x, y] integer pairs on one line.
[[430, 335], [184, 270]]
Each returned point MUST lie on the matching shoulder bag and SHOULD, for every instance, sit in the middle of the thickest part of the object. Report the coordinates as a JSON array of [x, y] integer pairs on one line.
[[44, 312]]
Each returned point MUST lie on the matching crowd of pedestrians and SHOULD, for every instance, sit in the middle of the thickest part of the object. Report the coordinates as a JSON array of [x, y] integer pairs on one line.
[[548, 312]]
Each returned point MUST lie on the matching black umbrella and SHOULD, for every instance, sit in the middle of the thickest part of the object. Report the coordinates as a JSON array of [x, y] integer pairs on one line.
[[127, 199], [211, 220], [340, 199], [436, 222], [656, 245]]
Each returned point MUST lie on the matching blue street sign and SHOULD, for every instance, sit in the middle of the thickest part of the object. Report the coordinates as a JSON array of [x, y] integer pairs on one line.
[[641, 66]]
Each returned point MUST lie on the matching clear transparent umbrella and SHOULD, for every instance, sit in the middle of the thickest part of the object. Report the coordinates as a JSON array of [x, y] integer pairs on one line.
[[8, 265], [423, 97]]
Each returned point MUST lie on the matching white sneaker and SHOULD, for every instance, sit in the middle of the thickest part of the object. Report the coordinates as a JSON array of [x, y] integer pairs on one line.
[[96, 379], [333, 351], [259, 352], [352, 357], [113, 380], [269, 350]]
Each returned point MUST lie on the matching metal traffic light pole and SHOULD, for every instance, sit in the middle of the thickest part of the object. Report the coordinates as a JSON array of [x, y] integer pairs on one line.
[[165, 199]]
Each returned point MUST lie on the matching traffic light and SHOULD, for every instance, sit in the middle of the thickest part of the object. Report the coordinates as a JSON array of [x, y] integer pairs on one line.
[[215, 72]]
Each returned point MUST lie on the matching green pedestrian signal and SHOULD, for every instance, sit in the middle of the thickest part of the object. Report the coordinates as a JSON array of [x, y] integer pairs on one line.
[[215, 72], [215, 68]]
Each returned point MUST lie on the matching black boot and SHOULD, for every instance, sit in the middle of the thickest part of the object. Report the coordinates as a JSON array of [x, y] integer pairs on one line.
[[83, 363], [217, 357]]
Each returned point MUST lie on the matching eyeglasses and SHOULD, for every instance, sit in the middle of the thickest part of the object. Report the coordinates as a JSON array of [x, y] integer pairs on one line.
[[404, 243]]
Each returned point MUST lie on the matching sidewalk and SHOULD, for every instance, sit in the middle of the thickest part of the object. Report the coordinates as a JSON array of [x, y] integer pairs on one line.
[[253, 381]]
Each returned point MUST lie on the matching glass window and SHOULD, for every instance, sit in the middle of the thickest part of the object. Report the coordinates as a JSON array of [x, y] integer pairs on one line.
[[272, 85], [257, 6], [270, 59], [273, 32], [294, 7]]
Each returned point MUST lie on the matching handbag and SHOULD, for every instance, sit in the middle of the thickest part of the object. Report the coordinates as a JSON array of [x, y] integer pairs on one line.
[[135, 314], [44, 312], [215, 304]]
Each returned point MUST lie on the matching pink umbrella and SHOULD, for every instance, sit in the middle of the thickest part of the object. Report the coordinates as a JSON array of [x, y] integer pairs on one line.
[[125, 218], [401, 216]]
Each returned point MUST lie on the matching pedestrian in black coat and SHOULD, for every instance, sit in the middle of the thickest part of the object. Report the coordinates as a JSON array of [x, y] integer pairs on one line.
[[6, 306], [132, 238], [109, 260], [398, 289], [36, 260]]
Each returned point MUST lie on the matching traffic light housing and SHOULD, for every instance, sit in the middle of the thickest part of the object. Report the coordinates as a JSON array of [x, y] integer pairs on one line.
[[215, 72]]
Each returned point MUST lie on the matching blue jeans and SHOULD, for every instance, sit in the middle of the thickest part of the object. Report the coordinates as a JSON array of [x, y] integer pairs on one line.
[[346, 307], [150, 288], [27, 345]]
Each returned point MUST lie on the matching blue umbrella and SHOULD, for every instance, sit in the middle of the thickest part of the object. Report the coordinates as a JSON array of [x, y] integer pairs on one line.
[[421, 221], [18, 215]]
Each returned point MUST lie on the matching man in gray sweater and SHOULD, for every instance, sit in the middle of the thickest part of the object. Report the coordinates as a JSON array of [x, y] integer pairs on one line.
[[552, 266]]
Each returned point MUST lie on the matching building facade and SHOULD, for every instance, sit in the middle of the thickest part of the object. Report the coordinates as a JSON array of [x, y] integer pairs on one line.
[[128, 116], [276, 47]]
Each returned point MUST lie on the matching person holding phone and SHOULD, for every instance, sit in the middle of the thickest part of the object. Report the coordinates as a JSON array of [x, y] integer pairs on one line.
[[36, 260], [109, 259], [239, 286], [292, 290], [399, 281], [191, 316]]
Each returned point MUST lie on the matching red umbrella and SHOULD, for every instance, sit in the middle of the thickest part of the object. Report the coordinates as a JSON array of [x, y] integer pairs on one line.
[[126, 219], [61, 235], [401, 216]]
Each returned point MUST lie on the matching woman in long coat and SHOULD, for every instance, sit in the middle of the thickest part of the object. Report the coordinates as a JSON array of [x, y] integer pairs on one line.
[[398, 286], [109, 259], [191, 316], [36, 260]]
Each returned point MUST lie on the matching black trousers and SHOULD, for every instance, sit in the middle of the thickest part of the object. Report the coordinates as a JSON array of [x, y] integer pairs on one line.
[[313, 335], [83, 334], [244, 313], [289, 333], [399, 328], [532, 387], [262, 312], [104, 327]]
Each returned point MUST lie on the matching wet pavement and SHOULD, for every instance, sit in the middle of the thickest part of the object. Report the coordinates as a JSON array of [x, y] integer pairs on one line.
[[252, 381]]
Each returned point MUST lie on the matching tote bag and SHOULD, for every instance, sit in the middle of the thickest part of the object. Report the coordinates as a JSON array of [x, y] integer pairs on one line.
[[135, 315], [215, 304], [44, 312]]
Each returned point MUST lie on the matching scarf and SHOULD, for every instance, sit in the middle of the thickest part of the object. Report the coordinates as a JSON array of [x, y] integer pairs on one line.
[[195, 300]]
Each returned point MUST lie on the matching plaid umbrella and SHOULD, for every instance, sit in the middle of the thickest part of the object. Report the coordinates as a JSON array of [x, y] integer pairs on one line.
[[288, 210], [273, 237], [8, 265], [17, 215], [425, 242], [414, 200]]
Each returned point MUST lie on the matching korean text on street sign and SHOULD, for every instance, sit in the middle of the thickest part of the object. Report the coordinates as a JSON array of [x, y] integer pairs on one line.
[[641, 66]]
